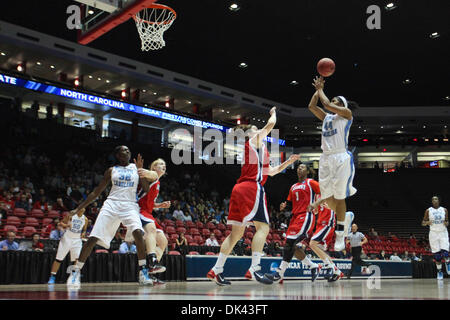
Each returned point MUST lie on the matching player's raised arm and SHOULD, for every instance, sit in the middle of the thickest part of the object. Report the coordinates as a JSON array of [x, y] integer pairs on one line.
[[426, 219], [346, 113], [315, 109], [146, 177], [96, 192], [276, 170], [264, 132]]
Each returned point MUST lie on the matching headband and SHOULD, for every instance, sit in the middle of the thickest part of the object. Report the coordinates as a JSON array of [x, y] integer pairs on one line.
[[344, 101]]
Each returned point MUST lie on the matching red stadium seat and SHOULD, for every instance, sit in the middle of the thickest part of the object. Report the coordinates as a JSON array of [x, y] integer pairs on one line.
[[206, 232], [28, 231], [181, 230], [194, 253], [115, 251], [269, 237], [194, 231], [190, 224], [101, 251], [189, 238], [37, 213], [179, 223], [218, 233], [199, 225], [53, 214], [210, 225], [174, 253], [13, 220], [46, 221], [32, 222], [19, 212], [209, 253], [198, 239], [229, 226], [169, 222], [170, 230], [193, 244], [276, 237], [227, 232], [8, 228], [174, 236], [221, 227]]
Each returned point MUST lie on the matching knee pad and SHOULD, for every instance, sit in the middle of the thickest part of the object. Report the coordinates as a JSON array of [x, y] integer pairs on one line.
[[437, 257]]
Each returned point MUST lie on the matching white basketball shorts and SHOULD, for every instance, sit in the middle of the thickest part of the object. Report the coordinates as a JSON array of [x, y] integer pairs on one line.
[[109, 218], [438, 241], [336, 173], [67, 244]]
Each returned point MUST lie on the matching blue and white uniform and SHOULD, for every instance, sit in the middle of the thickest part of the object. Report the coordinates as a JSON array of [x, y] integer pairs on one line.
[[336, 168], [71, 239], [438, 235], [120, 207]]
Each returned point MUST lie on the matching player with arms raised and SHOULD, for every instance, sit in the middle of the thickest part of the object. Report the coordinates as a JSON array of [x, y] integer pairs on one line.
[[336, 167]]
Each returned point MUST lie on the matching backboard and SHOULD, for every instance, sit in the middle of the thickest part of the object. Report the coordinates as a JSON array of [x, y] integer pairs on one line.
[[100, 16]]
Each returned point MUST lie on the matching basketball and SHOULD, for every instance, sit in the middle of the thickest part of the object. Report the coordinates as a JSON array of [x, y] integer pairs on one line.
[[325, 67]]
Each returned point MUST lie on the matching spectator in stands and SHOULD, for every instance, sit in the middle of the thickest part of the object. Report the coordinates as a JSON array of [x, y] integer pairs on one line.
[[187, 216], [166, 214], [37, 245], [373, 233], [3, 211], [89, 228], [57, 233], [59, 205], [23, 203], [406, 256], [41, 204], [211, 241], [8, 201], [51, 226], [412, 240], [127, 247], [414, 257], [178, 214], [382, 255], [363, 255], [9, 243], [392, 236], [181, 243], [395, 257]]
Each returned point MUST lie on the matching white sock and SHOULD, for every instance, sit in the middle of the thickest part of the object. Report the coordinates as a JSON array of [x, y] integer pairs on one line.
[[256, 259], [142, 262], [439, 267], [218, 267], [79, 265], [283, 266], [309, 263], [53, 273]]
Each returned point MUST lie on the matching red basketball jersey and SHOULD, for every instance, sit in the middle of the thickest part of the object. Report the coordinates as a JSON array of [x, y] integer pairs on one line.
[[147, 202], [256, 164], [302, 194], [326, 216]]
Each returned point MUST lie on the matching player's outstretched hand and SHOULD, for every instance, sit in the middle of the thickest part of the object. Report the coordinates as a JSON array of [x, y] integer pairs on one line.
[[283, 205], [318, 83], [273, 110], [294, 157], [139, 162], [165, 204]]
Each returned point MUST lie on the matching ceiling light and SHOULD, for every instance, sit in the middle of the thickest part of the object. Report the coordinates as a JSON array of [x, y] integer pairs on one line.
[[76, 82], [426, 140], [243, 65], [402, 127], [424, 127], [91, 11], [302, 131], [447, 98], [154, 93], [294, 83], [90, 77], [38, 63], [436, 140], [144, 90], [189, 102], [434, 35], [223, 110], [407, 81], [52, 67], [234, 7], [20, 67], [3, 54], [445, 127], [365, 130], [381, 127], [107, 81], [228, 111], [390, 6], [295, 128], [99, 79]]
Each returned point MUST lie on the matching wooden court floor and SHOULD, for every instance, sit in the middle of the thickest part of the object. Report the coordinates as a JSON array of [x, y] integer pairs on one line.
[[355, 289]]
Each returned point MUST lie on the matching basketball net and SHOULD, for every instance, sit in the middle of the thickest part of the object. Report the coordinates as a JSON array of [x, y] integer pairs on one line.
[[151, 23]]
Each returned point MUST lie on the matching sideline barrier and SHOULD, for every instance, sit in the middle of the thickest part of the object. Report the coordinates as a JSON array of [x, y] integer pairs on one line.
[[235, 268]]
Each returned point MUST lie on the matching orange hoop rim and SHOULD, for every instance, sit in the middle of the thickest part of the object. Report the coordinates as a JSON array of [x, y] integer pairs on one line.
[[157, 6]]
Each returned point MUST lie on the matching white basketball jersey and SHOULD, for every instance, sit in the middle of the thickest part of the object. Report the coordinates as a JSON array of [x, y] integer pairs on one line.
[[335, 130], [124, 181], [437, 218], [77, 224]]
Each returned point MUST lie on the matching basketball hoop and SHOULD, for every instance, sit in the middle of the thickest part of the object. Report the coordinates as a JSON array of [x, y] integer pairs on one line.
[[151, 23]]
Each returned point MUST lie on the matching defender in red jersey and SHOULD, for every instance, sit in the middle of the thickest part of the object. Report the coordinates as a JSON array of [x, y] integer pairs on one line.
[[155, 240], [248, 204], [301, 226]]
